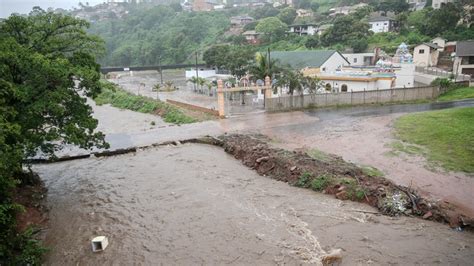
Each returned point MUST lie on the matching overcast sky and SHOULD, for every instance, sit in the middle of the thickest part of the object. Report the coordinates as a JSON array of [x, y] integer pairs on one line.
[[8, 7]]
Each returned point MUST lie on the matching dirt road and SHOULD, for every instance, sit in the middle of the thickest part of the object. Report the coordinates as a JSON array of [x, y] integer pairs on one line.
[[194, 204]]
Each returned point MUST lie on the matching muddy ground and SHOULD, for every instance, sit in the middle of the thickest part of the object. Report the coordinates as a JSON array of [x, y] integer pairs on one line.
[[366, 140], [195, 204]]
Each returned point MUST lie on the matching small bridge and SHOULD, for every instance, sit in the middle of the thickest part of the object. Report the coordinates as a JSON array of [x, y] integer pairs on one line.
[[105, 70]]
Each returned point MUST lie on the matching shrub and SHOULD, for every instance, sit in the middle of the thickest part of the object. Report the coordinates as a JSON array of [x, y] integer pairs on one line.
[[303, 180], [321, 182]]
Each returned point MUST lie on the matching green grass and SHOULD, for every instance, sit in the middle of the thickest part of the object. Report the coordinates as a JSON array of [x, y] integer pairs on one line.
[[303, 179], [445, 137], [457, 94], [371, 171], [319, 155], [117, 97], [321, 182]]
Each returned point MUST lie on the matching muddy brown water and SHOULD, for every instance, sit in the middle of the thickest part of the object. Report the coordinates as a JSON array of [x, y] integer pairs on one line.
[[195, 204]]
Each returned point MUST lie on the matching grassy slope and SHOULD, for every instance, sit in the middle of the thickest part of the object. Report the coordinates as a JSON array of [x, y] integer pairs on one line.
[[457, 94], [447, 135], [119, 98]]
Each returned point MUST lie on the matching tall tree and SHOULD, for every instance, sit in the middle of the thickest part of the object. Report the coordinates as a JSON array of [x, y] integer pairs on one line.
[[47, 66], [272, 28]]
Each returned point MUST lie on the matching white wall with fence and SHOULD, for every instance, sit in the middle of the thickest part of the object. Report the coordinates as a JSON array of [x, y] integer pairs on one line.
[[351, 98], [442, 73]]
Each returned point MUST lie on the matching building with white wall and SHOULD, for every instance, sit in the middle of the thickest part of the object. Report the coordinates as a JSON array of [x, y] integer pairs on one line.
[[360, 59], [382, 24], [426, 55], [464, 60], [436, 4], [303, 29], [312, 61], [344, 81], [440, 42]]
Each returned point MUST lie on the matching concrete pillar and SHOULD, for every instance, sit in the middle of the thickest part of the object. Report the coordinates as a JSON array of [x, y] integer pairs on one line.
[[220, 98], [268, 89]]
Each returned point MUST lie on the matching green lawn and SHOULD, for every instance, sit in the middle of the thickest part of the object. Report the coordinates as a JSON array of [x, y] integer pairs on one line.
[[457, 94], [447, 136]]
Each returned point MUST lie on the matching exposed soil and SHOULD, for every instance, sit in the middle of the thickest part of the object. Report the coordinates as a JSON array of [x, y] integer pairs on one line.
[[377, 191], [31, 196]]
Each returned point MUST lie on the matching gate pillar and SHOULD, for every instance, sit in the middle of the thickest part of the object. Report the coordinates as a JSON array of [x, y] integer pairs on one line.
[[220, 98]]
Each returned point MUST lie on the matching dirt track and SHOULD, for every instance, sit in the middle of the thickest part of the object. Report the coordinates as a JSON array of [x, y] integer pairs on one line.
[[194, 204]]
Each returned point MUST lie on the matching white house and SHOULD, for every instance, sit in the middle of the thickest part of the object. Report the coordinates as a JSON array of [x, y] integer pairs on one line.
[[426, 55], [312, 61], [440, 42], [360, 59], [436, 4], [301, 13], [382, 24], [343, 81], [416, 4], [303, 29], [464, 60]]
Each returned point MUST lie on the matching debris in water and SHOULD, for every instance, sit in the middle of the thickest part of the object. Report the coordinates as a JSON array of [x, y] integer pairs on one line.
[[334, 258], [99, 243]]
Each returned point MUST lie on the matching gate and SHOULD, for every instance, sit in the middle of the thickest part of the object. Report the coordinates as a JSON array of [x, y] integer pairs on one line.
[[242, 100]]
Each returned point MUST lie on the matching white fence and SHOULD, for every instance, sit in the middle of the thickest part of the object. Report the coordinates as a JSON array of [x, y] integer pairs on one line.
[[351, 98]]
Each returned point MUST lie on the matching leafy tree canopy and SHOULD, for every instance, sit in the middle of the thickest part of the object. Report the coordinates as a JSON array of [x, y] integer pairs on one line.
[[287, 15], [271, 27], [48, 60], [47, 66]]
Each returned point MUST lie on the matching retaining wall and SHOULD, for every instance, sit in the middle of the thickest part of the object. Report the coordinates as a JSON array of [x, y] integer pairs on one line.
[[351, 98], [194, 107]]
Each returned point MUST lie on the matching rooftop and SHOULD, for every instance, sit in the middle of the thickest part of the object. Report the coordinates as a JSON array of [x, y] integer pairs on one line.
[[381, 18], [302, 59], [465, 48]]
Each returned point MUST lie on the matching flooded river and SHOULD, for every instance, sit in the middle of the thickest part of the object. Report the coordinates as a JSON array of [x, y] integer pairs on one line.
[[194, 204]]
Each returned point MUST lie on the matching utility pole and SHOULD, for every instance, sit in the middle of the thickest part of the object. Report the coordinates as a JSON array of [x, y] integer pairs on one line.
[[161, 70], [197, 72]]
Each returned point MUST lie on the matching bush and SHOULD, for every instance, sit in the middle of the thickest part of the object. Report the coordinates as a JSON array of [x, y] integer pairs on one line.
[[303, 179], [443, 83], [321, 182]]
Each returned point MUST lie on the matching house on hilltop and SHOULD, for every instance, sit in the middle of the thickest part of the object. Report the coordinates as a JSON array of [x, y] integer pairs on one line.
[[240, 21], [382, 24], [303, 29]]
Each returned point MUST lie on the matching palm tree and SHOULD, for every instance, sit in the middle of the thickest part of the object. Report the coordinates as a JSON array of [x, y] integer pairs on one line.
[[263, 68], [293, 80], [197, 81], [156, 88], [313, 84]]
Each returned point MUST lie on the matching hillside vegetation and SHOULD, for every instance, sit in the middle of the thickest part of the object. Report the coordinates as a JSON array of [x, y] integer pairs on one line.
[[167, 34], [146, 35]]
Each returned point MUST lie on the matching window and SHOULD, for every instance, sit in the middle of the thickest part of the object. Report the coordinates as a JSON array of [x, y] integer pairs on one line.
[[421, 51], [328, 87], [344, 88], [376, 24], [385, 23], [471, 60], [355, 60]]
